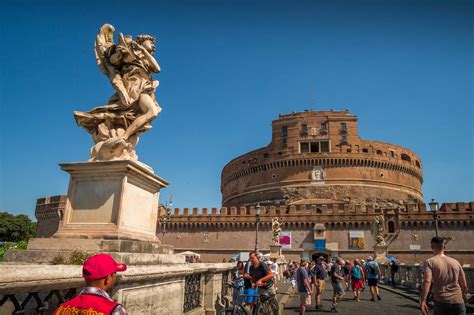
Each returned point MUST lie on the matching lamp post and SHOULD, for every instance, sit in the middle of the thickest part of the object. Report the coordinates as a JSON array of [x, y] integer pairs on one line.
[[166, 217], [434, 206], [257, 222]]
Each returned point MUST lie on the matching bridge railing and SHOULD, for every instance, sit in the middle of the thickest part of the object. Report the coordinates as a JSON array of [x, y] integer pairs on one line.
[[409, 275], [159, 289]]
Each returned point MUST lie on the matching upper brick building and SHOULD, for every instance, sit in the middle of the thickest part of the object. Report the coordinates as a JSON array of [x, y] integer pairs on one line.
[[317, 157]]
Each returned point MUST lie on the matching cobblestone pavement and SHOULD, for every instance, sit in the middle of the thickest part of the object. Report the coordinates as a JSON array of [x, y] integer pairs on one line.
[[391, 303]]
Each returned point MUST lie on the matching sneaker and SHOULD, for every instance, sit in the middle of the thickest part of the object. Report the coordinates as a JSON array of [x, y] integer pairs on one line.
[[378, 297], [372, 299], [334, 307]]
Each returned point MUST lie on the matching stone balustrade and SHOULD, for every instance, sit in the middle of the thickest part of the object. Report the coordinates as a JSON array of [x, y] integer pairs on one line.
[[160, 289], [409, 275]]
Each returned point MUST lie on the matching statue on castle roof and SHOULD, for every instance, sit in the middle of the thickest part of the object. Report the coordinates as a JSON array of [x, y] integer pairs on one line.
[[276, 230], [129, 65]]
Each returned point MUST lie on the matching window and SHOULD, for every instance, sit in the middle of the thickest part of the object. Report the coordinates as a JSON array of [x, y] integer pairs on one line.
[[324, 127], [304, 129], [343, 138], [304, 147], [417, 164], [391, 227], [314, 147], [343, 127], [365, 150], [284, 142], [324, 146], [284, 131], [379, 152], [405, 157], [266, 156], [392, 153]]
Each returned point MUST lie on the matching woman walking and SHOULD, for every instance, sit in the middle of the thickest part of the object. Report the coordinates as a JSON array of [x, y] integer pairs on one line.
[[357, 279], [238, 283]]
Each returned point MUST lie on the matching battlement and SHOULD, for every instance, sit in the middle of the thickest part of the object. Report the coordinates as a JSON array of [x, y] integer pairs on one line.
[[323, 209], [51, 208]]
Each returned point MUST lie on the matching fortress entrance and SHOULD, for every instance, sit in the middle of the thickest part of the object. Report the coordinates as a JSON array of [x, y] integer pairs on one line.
[[316, 255]]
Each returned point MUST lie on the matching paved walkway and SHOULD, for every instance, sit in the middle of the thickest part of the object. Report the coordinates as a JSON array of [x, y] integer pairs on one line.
[[391, 303]]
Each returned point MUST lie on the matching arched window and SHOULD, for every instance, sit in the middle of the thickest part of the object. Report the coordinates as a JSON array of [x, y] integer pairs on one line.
[[319, 211], [391, 227], [405, 157], [417, 164]]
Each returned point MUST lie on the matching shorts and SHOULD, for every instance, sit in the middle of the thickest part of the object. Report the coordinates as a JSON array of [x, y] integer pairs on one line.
[[337, 287], [445, 308], [320, 286], [305, 299], [372, 282]]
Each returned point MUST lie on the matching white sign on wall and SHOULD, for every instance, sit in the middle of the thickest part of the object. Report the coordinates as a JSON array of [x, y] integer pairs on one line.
[[415, 247]]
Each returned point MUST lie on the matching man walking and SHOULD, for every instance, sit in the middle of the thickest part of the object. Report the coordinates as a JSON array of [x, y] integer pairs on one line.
[[448, 279], [393, 271], [336, 282], [318, 274], [304, 286], [372, 273]]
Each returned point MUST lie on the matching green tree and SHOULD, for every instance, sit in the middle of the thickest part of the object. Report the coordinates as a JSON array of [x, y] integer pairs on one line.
[[15, 228]]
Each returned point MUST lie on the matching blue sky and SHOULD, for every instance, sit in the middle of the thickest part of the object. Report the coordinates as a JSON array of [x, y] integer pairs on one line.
[[405, 68]]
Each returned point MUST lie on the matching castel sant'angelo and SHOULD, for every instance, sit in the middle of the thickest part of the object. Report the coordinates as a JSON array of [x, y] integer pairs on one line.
[[318, 158], [332, 192]]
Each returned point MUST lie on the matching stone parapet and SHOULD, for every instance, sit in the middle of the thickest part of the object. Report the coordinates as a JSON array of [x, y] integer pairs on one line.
[[409, 275], [159, 289]]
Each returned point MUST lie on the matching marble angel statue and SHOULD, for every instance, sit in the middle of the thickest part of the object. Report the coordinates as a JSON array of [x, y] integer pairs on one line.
[[276, 230], [379, 230], [129, 65]]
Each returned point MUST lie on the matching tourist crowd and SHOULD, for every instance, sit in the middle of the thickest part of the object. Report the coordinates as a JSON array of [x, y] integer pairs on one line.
[[357, 275]]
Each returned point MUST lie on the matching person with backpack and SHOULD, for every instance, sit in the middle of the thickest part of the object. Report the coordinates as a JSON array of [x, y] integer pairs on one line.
[[372, 273], [357, 279]]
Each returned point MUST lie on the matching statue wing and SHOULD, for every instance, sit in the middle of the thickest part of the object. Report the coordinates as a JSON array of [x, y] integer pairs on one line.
[[104, 40]]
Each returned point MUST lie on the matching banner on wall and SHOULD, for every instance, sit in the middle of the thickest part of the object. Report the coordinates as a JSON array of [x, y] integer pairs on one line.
[[285, 240], [356, 240], [320, 245]]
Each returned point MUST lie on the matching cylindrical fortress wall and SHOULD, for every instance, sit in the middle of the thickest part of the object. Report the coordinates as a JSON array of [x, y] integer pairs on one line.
[[317, 157]]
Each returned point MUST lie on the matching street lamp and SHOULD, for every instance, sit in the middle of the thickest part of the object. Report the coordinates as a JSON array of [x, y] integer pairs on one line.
[[257, 222], [434, 206]]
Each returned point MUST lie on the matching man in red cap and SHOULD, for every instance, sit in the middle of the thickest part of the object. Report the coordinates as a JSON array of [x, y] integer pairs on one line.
[[99, 272]]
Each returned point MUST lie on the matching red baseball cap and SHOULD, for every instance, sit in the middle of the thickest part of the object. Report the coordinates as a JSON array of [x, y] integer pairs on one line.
[[100, 266]]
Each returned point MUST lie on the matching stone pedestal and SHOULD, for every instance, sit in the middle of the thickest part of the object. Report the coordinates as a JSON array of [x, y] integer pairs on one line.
[[275, 252], [380, 253], [111, 200], [112, 207]]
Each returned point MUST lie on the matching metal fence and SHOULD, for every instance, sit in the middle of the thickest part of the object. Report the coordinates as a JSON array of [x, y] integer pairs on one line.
[[192, 292], [23, 303], [225, 286]]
